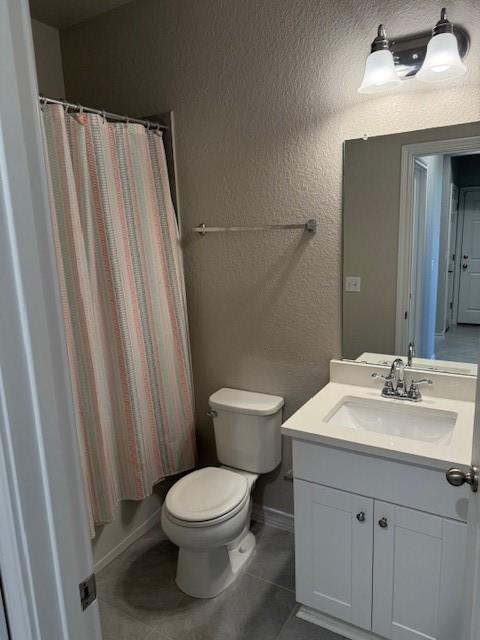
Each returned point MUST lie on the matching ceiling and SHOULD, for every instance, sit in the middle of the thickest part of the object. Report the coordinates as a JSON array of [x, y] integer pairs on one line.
[[65, 13]]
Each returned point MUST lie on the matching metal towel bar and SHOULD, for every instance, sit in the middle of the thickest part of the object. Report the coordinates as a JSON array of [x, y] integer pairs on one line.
[[310, 226]]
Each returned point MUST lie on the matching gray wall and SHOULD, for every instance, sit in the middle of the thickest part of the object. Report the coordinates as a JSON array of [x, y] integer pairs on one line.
[[48, 57], [371, 218], [264, 94]]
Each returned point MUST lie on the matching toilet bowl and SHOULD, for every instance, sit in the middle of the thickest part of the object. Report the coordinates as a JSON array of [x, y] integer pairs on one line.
[[208, 518], [207, 512]]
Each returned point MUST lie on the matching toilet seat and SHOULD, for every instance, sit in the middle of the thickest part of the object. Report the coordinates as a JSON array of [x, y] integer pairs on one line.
[[207, 496]]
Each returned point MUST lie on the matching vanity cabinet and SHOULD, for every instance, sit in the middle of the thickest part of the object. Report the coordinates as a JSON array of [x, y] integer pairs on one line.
[[334, 552], [418, 571], [389, 569]]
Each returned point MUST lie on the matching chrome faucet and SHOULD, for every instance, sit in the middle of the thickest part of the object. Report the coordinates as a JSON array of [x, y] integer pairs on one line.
[[411, 353], [397, 374], [395, 386]]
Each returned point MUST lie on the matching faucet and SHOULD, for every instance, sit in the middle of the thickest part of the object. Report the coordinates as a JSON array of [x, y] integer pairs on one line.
[[397, 375], [411, 353], [395, 386]]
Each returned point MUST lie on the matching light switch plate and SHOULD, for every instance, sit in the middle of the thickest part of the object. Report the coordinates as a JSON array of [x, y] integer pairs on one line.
[[352, 283]]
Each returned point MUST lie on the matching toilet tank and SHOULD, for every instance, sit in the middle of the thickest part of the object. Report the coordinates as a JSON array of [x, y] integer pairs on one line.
[[247, 429]]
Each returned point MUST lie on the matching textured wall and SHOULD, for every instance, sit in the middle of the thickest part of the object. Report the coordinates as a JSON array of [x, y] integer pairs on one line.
[[264, 94], [48, 58]]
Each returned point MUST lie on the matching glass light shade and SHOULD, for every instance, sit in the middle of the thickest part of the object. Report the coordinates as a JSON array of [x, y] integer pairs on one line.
[[442, 61], [380, 74]]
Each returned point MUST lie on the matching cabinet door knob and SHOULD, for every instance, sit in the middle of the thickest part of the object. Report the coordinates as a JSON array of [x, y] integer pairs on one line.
[[361, 516], [383, 523]]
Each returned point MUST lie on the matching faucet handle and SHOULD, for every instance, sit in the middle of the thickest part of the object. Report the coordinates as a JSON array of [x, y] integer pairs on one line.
[[378, 376], [415, 383], [413, 393]]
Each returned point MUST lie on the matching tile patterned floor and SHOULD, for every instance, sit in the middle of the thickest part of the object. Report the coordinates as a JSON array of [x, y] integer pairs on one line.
[[461, 343], [139, 599]]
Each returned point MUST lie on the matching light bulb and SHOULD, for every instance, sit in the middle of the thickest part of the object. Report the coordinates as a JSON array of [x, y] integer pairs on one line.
[[443, 60], [380, 74]]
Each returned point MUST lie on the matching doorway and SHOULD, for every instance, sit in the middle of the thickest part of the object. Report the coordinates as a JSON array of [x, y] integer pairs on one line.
[[440, 299]]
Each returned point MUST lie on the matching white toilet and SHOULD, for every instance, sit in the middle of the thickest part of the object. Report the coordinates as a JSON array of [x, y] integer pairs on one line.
[[207, 512]]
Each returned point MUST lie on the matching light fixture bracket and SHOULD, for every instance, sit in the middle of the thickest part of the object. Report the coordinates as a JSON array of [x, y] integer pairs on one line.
[[380, 43], [409, 52]]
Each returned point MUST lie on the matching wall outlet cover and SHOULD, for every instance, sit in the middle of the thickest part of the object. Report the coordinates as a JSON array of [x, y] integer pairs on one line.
[[352, 283]]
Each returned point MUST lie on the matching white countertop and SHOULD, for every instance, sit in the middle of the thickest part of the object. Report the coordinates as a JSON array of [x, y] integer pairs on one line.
[[309, 424]]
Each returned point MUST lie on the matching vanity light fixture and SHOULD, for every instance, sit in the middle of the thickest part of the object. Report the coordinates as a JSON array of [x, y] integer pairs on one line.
[[380, 72], [443, 60], [432, 56]]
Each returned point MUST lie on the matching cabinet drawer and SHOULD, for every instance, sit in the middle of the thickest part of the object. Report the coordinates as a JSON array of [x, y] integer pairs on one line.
[[397, 482]]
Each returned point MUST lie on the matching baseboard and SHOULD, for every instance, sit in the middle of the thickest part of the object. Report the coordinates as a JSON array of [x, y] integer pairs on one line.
[[273, 517], [151, 522], [343, 629]]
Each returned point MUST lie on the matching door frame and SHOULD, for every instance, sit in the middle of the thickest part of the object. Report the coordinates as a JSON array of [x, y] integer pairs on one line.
[[45, 549], [455, 146], [451, 310], [418, 223], [459, 246]]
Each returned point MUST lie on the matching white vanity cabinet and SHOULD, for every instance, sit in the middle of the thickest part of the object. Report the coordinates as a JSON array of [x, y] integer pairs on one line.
[[377, 548], [334, 552]]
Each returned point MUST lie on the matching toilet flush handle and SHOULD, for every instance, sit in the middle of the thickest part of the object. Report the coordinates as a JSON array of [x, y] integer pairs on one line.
[[212, 413]]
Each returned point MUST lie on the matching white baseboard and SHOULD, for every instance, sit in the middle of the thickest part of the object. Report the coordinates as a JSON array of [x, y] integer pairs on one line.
[[151, 522], [273, 517], [343, 629]]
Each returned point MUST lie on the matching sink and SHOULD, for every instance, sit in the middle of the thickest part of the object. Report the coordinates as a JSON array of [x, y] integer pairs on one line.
[[400, 420]]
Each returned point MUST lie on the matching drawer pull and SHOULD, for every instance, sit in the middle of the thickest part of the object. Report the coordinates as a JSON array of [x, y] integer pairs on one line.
[[383, 523], [361, 516]]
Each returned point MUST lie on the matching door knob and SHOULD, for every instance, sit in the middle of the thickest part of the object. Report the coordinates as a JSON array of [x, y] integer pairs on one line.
[[457, 477], [383, 523], [464, 266], [361, 516]]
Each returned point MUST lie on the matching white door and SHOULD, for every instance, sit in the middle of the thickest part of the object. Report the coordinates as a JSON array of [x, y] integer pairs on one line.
[[45, 550], [469, 259], [333, 538], [418, 241], [452, 241], [418, 574]]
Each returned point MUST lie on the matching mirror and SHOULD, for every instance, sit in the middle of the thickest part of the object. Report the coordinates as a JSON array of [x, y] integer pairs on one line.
[[411, 239]]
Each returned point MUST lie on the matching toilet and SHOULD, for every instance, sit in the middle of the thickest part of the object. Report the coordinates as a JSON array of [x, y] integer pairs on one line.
[[207, 512]]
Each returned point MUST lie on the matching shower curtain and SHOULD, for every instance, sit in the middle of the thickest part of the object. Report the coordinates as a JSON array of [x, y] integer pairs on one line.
[[123, 300]]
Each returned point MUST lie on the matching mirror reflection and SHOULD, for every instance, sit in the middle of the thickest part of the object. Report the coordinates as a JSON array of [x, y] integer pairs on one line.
[[412, 248]]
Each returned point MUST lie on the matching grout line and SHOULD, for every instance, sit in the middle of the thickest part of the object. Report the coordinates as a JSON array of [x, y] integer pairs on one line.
[[274, 584], [127, 612], [287, 621]]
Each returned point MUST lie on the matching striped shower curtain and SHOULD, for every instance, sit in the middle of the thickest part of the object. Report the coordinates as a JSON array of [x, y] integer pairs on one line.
[[123, 299]]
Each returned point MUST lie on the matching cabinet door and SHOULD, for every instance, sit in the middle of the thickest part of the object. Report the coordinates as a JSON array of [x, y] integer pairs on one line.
[[334, 549], [418, 572]]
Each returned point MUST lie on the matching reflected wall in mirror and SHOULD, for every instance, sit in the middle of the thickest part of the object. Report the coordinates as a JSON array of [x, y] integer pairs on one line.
[[412, 248]]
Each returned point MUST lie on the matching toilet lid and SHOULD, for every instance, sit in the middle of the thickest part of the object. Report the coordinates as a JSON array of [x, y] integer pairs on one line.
[[206, 494]]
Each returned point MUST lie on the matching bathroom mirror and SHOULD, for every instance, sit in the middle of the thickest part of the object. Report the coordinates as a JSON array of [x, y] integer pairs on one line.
[[411, 239]]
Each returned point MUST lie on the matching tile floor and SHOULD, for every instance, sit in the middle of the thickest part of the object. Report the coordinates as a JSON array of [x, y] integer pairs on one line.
[[140, 601], [461, 343]]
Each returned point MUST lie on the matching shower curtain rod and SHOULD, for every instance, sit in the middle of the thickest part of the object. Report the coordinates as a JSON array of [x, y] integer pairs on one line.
[[106, 114]]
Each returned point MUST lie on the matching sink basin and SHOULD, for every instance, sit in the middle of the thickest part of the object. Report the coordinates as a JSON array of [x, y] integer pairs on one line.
[[400, 420]]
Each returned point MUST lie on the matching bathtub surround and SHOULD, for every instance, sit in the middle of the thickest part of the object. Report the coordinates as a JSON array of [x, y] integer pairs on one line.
[[264, 94], [121, 286]]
